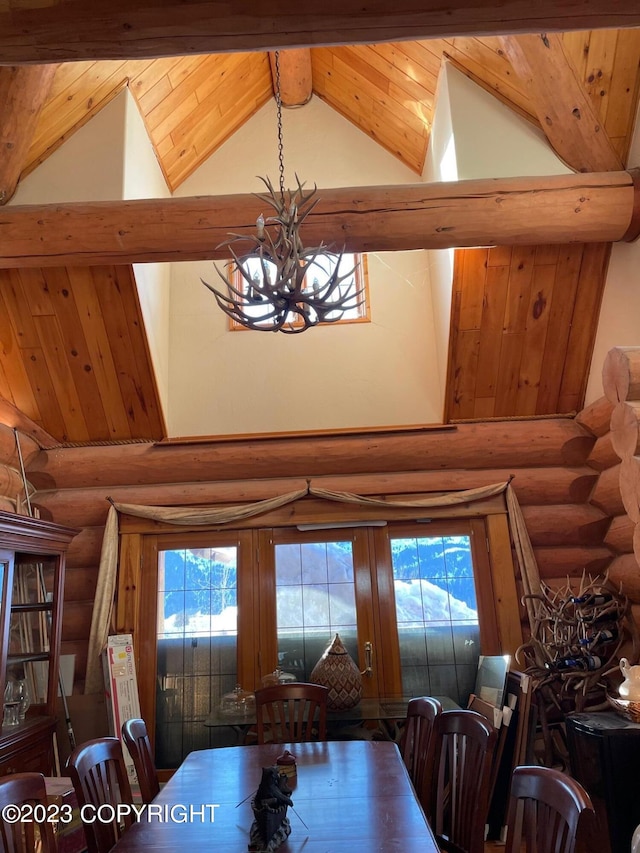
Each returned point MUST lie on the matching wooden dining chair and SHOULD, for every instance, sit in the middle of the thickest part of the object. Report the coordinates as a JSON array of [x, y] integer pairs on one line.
[[545, 810], [291, 713], [25, 789], [461, 780], [99, 777], [136, 739], [417, 745]]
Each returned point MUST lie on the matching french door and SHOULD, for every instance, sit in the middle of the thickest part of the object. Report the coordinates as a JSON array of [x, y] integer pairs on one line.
[[413, 603]]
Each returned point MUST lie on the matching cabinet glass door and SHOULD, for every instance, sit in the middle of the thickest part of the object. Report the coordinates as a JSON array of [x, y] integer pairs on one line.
[[29, 641]]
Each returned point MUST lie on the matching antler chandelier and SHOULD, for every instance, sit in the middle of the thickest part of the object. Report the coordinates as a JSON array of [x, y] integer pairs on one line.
[[282, 285]]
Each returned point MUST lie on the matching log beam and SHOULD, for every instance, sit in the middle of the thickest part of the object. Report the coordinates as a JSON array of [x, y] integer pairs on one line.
[[580, 208], [23, 92], [596, 417], [295, 77], [561, 102], [67, 30], [480, 446]]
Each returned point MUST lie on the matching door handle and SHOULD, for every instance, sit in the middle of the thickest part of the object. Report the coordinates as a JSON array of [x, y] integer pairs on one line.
[[368, 659]]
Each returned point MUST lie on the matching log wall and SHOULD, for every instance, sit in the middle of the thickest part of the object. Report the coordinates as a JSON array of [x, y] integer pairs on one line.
[[547, 457], [621, 383]]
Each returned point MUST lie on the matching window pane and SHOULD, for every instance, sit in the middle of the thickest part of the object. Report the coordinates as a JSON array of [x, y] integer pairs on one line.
[[437, 615], [197, 645], [348, 269], [314, 603]]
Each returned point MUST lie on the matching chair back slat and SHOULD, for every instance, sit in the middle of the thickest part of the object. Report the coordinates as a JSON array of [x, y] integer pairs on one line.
[[136, 739], [99, 777], [417, 745], [291, 713], [461, 780], [546, 810], [25, 789]]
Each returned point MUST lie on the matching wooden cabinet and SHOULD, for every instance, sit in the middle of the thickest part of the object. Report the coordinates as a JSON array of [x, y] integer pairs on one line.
[[32, 560], [604, 750]]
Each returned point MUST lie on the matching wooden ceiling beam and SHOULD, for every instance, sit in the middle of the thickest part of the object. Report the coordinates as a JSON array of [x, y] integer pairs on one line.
[[67, 30], [23, 91], [294, 70], [561, 102], [598, 207]]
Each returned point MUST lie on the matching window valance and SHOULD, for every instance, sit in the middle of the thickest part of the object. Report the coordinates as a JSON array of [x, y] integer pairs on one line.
[[212, 516]]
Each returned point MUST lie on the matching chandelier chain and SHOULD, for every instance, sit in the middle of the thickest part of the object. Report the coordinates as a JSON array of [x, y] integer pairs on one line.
[[279, 113]]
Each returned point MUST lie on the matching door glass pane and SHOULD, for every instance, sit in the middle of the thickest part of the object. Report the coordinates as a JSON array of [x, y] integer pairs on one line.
[[437, 615], [315, 599], [197, 645]]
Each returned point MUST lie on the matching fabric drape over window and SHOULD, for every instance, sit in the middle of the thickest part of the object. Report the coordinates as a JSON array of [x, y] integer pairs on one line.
[[211, 516]]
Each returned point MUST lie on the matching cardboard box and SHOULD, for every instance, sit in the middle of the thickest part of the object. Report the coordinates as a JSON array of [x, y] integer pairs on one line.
[[121, 687]]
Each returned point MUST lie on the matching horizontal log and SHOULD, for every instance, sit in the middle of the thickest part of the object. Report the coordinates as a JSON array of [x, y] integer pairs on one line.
[[630, 487], [10, 483], [597, 416], [603, 455], [625, 429], [85, 548], [624, 572], [65, 30], [580, 208], [86, 507], [80, 583], [620, 534], [579, 524], [77, 620], [485, 446], [8, 448], [621, 374], [606, 493], [556, 564]]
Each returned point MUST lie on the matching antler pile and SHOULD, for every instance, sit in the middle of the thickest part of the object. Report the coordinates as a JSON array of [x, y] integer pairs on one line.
[[289, 304]]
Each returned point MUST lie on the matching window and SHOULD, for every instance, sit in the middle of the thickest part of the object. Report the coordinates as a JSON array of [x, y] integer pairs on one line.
[[315, 599], [354, 287], [437, 614]]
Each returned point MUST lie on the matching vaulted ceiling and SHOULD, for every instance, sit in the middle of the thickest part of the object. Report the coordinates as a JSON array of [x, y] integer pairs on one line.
[[75, 364]]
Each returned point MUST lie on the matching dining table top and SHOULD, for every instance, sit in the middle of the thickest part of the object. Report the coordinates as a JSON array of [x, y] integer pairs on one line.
[[347, 796]]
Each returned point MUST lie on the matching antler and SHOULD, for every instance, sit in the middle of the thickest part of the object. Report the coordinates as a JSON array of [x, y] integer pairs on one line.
[[280, 288]]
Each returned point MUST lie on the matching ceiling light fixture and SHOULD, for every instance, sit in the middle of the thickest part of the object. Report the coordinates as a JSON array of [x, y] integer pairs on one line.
[[282, 285]]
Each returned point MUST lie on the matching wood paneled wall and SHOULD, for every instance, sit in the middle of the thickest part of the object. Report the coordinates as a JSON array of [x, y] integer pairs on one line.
[[74, 353], [523, 324]]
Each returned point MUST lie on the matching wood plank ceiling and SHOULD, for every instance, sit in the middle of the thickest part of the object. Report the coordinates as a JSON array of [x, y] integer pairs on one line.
[[74, 355]]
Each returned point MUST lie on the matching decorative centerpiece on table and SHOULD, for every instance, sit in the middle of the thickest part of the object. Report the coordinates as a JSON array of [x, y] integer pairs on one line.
[[270, 827], [337, 671]]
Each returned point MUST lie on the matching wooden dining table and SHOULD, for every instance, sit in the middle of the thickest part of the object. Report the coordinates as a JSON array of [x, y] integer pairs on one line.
[[348, 796]]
